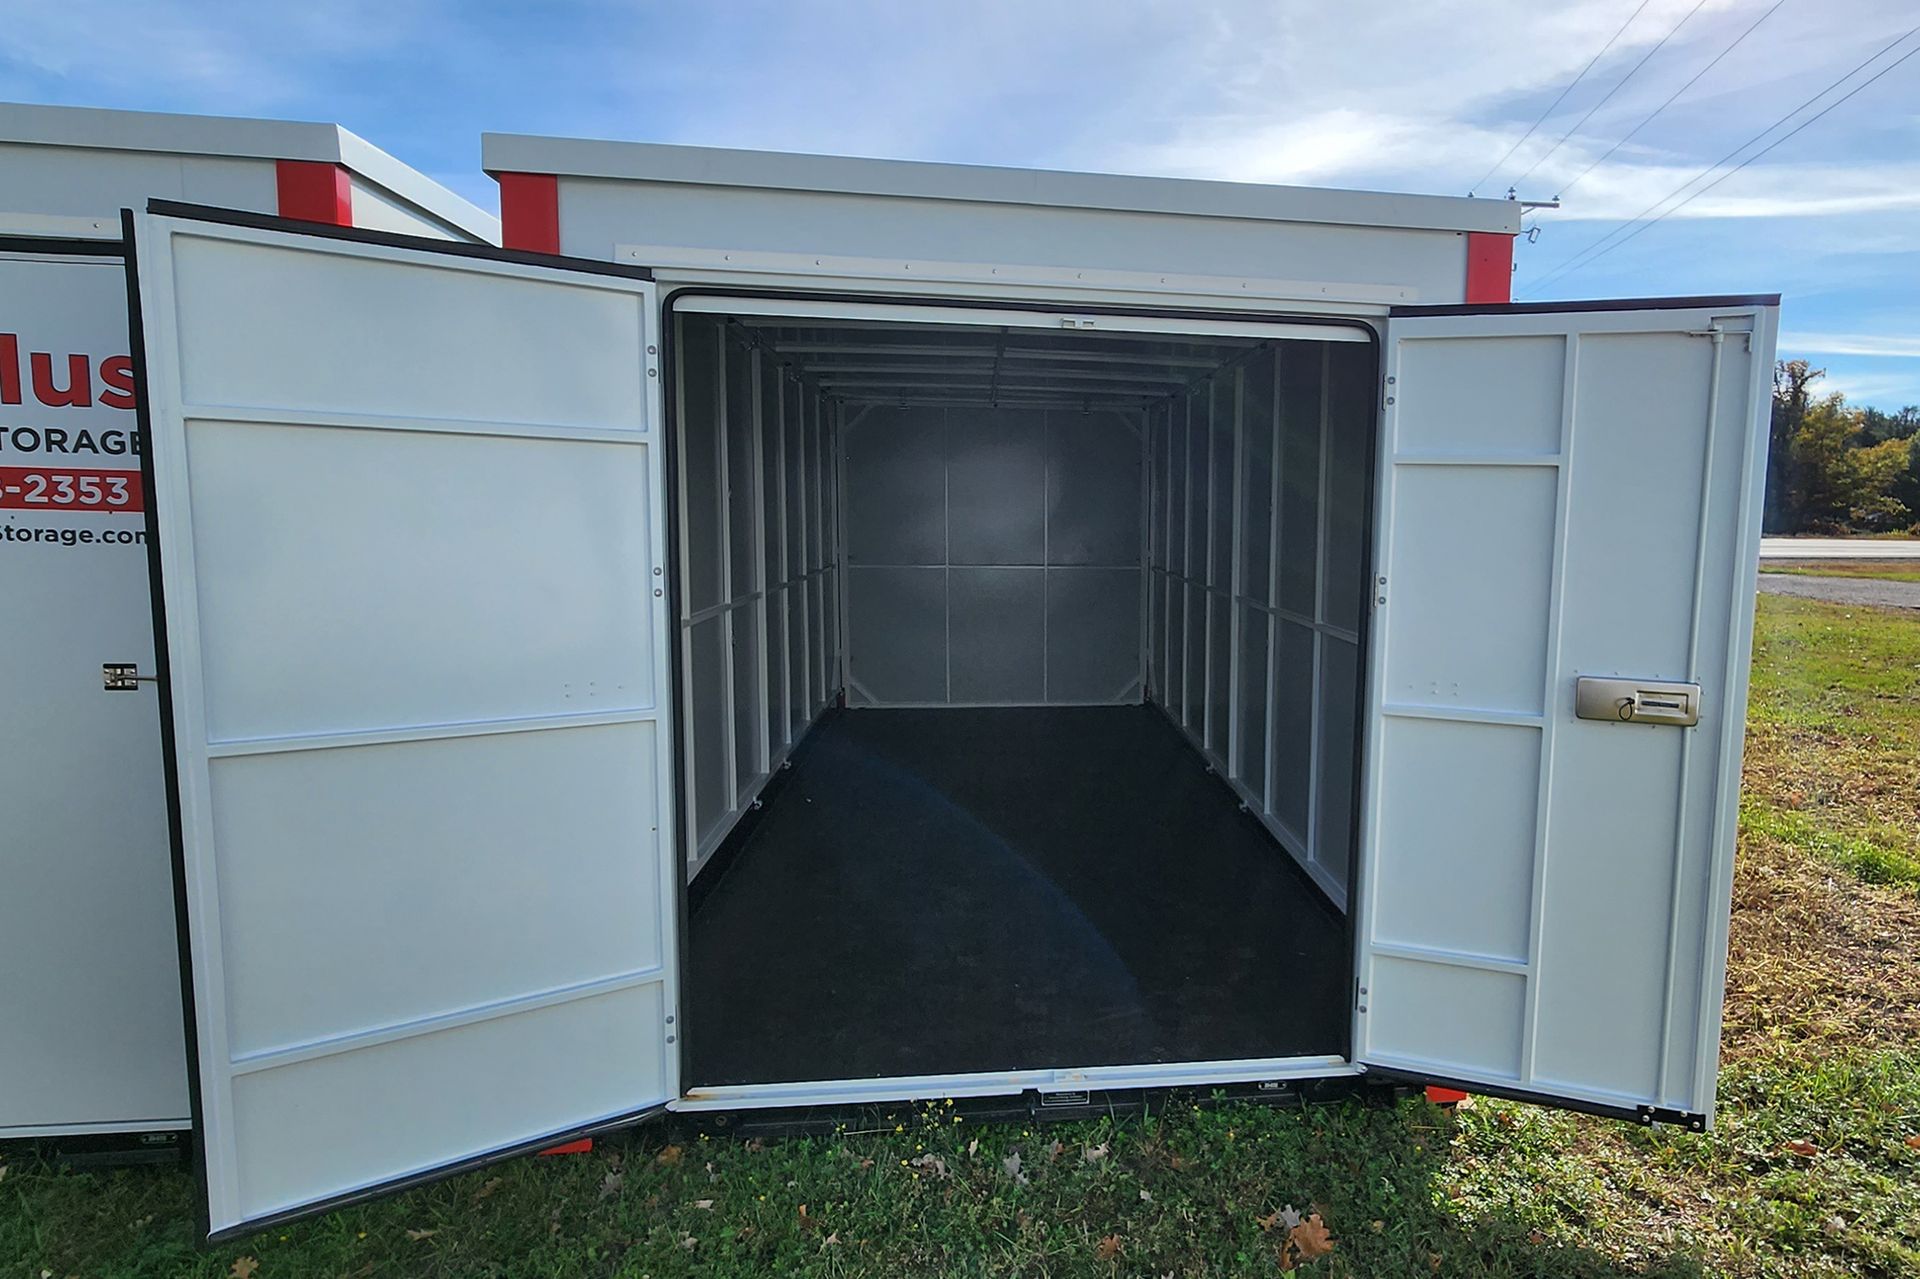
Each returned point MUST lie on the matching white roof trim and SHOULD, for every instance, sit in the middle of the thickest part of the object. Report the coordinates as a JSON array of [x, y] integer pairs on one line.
[[241, 138], [414, 187], [845, 175]]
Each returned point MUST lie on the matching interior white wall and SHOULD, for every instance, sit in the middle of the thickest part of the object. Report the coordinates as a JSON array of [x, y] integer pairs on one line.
[[1257, 492], [758, 579], [994, 556]]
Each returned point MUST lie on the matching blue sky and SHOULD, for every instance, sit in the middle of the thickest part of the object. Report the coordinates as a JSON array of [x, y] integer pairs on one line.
[[1420, 96]]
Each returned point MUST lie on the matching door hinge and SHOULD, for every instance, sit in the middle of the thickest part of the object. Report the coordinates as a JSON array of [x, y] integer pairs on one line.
[[123, 677], [1651, 1115]]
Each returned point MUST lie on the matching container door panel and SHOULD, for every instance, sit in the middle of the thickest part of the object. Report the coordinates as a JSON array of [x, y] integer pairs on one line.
[[1565, 496], [91, 1040], [409, 524]]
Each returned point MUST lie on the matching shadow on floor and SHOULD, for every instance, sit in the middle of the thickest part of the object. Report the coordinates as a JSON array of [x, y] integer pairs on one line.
[[944, 891]]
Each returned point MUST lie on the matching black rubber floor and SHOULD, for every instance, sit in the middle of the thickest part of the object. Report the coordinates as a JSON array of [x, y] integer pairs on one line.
[[965, 890]]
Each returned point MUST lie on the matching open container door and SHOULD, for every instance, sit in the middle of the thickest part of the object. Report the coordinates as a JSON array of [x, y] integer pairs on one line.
[[1568, 536], [409, 524]]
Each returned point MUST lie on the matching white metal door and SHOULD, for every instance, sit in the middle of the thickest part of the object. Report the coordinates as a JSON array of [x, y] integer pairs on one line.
[[410, 522], [1564, 492]]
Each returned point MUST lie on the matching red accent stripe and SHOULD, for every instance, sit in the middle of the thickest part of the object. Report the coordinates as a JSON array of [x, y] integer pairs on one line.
[[1489, 267], [530, 212], [580, 1147], [1445, 1096], [315, 191]]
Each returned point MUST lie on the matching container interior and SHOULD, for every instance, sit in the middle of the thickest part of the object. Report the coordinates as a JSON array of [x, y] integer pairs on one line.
[[1018, 686]]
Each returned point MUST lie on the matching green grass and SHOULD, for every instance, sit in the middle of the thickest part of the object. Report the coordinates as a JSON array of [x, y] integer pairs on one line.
[[1812, 1170], [1882, 857], [1833, 735], [1498, 1189], [1878, 570]]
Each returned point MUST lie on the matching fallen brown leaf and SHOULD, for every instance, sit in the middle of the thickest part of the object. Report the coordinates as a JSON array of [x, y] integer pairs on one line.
[[806, 1222], [418, 1235], [611, 1183], [492, 1184], [1913, 1142], [1093, 1154], [1269, 1221], [243, 1267], [1805, 1149], [705, 1205], [1311, 1238], [670, 1154], [1108, 1248]]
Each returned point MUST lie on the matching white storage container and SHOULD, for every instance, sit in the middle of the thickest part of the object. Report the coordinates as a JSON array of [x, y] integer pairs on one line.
[[91, 1006], [858, 631]]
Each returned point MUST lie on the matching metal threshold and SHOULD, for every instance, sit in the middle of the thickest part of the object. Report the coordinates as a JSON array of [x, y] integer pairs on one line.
[[997, 1083]]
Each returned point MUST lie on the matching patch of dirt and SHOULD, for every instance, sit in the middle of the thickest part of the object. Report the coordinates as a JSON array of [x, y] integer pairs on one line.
[[1853, 781], [1816, 956]]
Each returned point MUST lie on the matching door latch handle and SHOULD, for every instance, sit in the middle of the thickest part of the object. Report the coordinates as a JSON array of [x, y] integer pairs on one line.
[[123, 677], [1637, 701]]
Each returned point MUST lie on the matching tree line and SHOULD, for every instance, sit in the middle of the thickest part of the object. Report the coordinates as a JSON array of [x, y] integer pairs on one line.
[[1835, 468]]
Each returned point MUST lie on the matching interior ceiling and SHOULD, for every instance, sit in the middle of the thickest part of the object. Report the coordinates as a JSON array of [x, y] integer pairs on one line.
[[972, 366]]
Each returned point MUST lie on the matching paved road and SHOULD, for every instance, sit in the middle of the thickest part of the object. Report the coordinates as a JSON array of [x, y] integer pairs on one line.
[[1839, 548], [1844, 590]]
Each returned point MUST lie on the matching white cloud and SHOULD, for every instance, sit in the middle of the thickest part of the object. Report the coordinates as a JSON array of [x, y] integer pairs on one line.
[[1883, 392], [1878, 345], [1430, 98]]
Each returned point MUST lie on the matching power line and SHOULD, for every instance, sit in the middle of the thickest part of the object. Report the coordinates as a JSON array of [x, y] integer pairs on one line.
[[1639, 223], [1608, 97], [1756, 155], [1552, 107], [1671, 98]]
